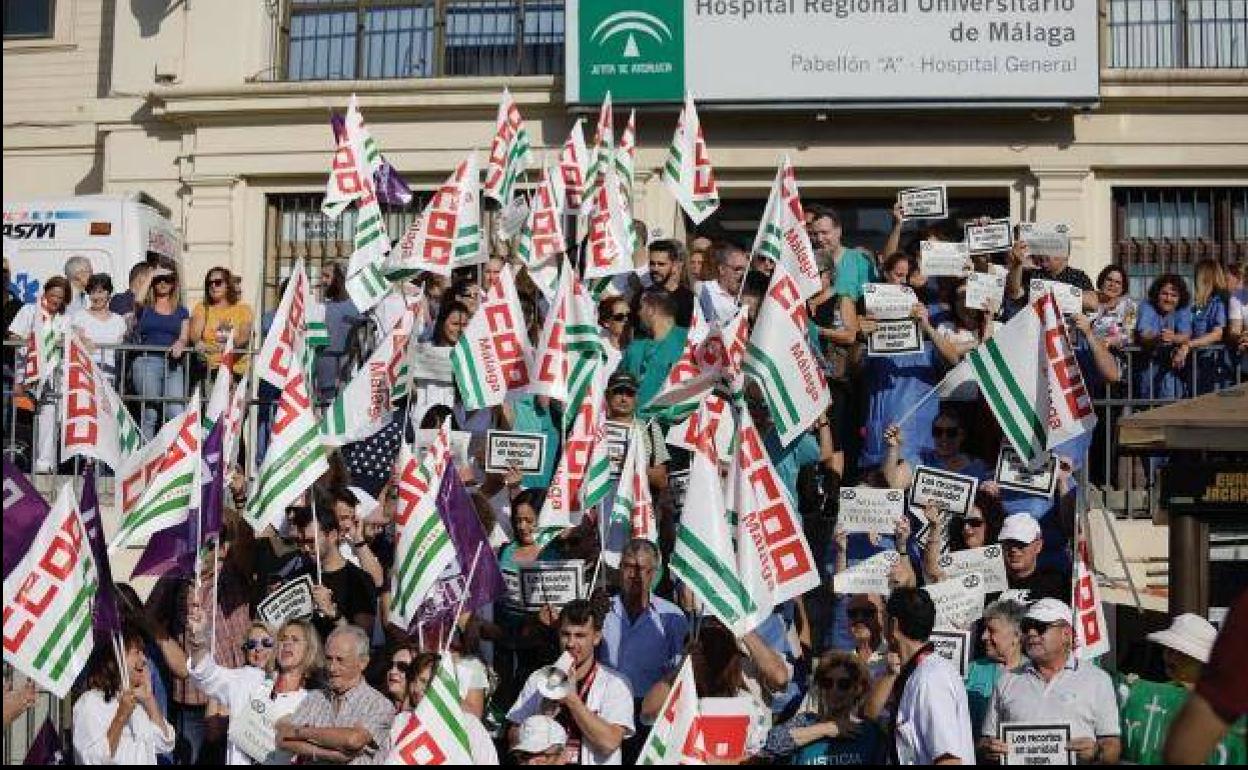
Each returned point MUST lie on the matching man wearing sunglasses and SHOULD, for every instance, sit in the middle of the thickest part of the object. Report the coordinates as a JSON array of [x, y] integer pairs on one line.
[[1021, 544], [1055, 687]]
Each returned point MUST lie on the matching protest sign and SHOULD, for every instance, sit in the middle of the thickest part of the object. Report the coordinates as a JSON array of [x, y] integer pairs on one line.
[[1147, 713], [551, 582], [1014, 473], [617, 445], [888, 301], [506, 449], [951, 492], [984, 291], [895, 338], [986, 561], [953, 645], [869, 576], [1045, 239], [292, 600], [423, 439], [511, 588], [866, 509], [677, 486], [1069, 298], [254, 731], [996, 235], [1029, 743], [959, 601], [944, 259], [924, 202]]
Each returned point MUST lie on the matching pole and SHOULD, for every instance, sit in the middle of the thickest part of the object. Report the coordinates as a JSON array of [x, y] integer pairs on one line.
[[472, 572], [316, 534]]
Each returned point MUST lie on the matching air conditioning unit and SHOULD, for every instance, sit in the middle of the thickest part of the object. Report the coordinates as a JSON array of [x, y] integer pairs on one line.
[[168, 69]]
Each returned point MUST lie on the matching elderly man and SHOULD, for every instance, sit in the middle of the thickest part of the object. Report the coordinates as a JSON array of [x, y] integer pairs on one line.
[[1021, 544], [718, 298], [1055, 687], [78, 271], [346, 722]]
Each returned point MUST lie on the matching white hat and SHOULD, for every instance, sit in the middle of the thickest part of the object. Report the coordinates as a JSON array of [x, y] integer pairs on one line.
[[1049, 610], [1021, 527], [539, 733], [1189, 634]]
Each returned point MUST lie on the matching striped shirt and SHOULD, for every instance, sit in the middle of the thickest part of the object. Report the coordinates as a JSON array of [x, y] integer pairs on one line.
[[361, 706]]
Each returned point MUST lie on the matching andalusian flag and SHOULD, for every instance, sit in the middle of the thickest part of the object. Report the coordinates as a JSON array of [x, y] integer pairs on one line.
[[1030, 377], [542, 240], [174, 489], [510, 154], [424, 546], [447, 234], [574, 166], [493, 356], [366, 403], [676, 720], [782, 232], [626, 158], [779, 358], [435, 733], [688, 171], [90, 425], [49, 597]]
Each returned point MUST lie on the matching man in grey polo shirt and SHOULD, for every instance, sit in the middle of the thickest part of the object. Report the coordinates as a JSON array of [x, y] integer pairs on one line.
[[1054, 686]]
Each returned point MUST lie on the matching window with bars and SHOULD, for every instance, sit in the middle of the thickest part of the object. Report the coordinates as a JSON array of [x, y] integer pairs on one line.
[[28, 19], [1167, 229], [1196, 34], [375, 39]]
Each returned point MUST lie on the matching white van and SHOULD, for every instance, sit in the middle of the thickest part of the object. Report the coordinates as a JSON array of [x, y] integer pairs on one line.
[[113, 231]]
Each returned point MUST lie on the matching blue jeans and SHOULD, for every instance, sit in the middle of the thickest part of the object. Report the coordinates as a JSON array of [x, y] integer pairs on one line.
[[154, 377]]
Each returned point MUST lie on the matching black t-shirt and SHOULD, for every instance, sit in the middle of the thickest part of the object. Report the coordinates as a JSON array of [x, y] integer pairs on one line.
[[1045, 583], [353, 589], [684, 309]]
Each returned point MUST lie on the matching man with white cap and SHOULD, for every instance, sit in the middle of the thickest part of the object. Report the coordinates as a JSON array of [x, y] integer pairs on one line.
[[1021, 544], [541, 741], [1055, 687]]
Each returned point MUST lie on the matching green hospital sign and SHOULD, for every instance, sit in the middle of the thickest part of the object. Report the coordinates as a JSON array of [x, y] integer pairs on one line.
[[635, 50]]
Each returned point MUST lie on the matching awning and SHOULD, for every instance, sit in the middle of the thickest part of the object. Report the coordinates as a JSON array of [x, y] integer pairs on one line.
[[1217, 422]]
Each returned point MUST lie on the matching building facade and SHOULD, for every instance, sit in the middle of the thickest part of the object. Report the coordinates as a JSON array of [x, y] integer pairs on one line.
[[220, 111]]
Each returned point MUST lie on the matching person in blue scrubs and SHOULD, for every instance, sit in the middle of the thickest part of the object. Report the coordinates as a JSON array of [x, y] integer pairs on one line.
[[1164, 327], [1210, 316]]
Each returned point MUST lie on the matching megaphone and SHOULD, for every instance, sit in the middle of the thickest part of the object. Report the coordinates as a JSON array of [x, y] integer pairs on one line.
[[552, 681]]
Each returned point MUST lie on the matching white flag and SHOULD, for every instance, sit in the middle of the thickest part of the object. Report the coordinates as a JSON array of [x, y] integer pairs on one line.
[[674, 724], [447, 234], [424, 548], [782, 233], [493, 356], [435, 733], [510, 155], [688, 172]]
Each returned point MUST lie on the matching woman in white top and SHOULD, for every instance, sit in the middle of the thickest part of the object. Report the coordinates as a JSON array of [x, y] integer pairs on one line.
[[113, 726], [45, 321], [269, 687], [97, 326], [419, 674]]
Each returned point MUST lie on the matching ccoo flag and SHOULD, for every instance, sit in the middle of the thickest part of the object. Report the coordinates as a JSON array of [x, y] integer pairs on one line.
[[510, 154], [493, 356], [424, 547], [782, 232], [687, 172], [447, 234]]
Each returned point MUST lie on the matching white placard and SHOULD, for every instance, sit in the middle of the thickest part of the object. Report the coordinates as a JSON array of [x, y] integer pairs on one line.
[[512, 216], [1069, 298], [432, 363], [1045, 239], [869, 576], [986, 561], [526, 451], [1031, 743], [951, 492], [867, 509], [959, 601], [985, 291], [677, 486], [511, 588], [997, 235], [954, 646], [291, 600], [617, 445], [944, 259], [254, 731], [423, 439], [924, 202], [551, 582], [1014, 473], [897, 337], [888, 301]]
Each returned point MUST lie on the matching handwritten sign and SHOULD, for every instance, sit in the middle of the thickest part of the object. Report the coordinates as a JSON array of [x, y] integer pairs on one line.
[[951, 492], [292, 600], [1014, 473], [985, 291], [886, 300], [895, 338], [986, 561], [869, 576], [1045, 239], [959, 601], [954, 646], [1028, 743], [551, 582], [506, 449], [866, 509], [944, 259], [1069, 298], [997, 235], [924, 202]]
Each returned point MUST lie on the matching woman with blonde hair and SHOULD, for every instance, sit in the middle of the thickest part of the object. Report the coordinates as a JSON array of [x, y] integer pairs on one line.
[[1210, 317], [830, 728]]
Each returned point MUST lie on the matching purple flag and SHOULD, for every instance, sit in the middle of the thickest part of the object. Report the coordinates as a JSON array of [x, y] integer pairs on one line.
[[212, 487], [24, 513], [107, 618], [391, 188], [460, 517], [46, 748], [168, 552]]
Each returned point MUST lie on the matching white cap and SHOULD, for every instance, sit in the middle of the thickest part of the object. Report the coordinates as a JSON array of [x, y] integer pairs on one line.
[[1050, 611], [1021, 527], [1189, 634], [539, 733]]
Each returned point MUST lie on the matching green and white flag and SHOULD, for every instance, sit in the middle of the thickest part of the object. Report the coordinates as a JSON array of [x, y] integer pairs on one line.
[[574, 167], [510, 153], [712, 357], [688, 172], [779, 358], [48, 600], [447, 234], [570, 346], [493, 356], [92, 424], [610, 238], [366, 403], [632, 510], [782, 232], [676, 720], [435, 732], [1028, 374], [626, 159], [318, 331], [542, 241], [168, 498], [601, 157], [424, 547], [366, 287]]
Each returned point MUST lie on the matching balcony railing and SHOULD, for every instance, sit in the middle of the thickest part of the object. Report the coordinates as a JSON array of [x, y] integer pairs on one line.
[[1178, 34]]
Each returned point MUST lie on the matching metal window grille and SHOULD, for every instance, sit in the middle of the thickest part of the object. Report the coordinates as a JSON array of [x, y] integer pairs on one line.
[[28, 19], [1196, 34], [377, 39]]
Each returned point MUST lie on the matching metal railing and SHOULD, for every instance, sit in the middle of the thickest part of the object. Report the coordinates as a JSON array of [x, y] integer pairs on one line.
[[1178, 34]]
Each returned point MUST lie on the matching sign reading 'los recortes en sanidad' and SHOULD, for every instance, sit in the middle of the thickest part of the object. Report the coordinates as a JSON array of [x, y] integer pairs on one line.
[[826, 51]]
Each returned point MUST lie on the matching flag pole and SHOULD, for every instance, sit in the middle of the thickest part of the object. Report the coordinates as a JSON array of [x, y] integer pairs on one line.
[[459, 608], [927, 397], [119, 649], [316, 534], [216, 595]]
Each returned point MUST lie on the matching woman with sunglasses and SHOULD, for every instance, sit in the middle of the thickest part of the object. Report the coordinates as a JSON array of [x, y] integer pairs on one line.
[[417, 679], [614, 316], [271, 685], [978, 528], [397, 671], [163, 328], [221, 317], [945, 453], [829, 729]]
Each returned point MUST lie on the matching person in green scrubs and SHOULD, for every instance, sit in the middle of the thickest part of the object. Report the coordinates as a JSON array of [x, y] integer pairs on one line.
[[650, 360]]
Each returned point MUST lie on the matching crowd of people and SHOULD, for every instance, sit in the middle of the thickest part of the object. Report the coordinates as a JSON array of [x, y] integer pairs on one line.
[[826, 678]]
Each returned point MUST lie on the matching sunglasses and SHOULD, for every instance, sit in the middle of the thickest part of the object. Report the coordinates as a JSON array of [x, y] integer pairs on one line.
[[861, 614], [973, 523], [844, 684], [251, 645], [619, 317], [163, 279], [1013, 545], [215, 282], [402, 666], [1039, 626], [938, 432]]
